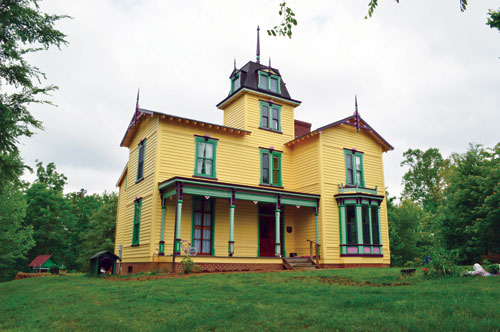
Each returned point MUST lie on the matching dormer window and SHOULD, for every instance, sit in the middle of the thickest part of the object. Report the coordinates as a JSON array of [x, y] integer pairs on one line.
[[269, 81], [236, 82]]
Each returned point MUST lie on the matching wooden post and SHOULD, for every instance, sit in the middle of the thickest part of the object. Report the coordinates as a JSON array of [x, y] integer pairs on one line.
[[161, 251], [278, 237], [231, 230]]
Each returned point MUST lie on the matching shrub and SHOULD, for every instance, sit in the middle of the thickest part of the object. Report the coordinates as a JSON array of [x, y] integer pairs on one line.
[[441, 263], [493, 268], [54, 269], [187, 265]]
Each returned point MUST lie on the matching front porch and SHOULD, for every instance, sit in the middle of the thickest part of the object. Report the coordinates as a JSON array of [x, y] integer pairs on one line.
[[231, 224]]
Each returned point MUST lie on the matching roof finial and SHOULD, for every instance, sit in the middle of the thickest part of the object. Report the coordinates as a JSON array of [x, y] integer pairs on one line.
[[234, 63], [136, 108], [269, 62], [356, 112], [258, 45]]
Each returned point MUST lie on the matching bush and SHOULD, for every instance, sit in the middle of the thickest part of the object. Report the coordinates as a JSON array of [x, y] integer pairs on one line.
[[493, 268], [441, 262], [187, 265], [54, 270]]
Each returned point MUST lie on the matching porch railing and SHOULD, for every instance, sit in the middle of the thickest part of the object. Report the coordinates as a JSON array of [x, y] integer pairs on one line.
[[316, 250]]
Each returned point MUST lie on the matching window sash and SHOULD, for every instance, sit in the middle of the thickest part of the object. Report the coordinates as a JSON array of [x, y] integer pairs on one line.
[[271, 168], [202, 226], [236, 82], [206, 151], [270, 116], [354, 168], [140, 159], [375, 225], [137, 221]]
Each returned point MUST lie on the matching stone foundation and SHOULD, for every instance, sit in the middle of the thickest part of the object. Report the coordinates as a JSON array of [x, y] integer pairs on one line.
[[224, 267], [349, 266], [206, 267]]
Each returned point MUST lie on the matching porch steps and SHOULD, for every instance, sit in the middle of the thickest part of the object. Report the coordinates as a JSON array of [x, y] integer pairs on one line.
[[299, 263]]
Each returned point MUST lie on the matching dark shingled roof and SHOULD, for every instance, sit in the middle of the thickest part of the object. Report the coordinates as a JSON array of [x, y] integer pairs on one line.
[[250, 80]]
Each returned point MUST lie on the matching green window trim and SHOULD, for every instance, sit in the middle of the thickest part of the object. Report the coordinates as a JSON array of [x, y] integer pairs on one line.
[[269, 115], [205, 165], [141, 153], [235, 82], [269, 78], [369, 224], [202, 227], [137, 221], [270, 168], [352, 169]]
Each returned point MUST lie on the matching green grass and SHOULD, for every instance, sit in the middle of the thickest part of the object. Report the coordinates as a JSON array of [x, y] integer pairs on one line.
[[324, 300]]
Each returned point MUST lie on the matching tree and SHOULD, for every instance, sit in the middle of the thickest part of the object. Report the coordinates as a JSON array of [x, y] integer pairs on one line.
[[48, 212], [82, 208], [289, 21], [101, 233], [470, 212], [410, 235], [15, 238], [423, 182], [24, 29]]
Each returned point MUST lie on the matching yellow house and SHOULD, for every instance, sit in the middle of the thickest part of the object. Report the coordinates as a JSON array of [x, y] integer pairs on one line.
[[260, 192]]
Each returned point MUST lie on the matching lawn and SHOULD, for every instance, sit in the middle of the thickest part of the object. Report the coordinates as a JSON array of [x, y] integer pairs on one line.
[[324, 300]]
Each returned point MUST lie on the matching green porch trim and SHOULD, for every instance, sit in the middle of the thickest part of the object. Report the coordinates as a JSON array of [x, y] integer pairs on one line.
[[178, 219], [196, 191], [359, 225], [162, 231], [317, 227], [277, 241], [231, 231], [357, 189], [224, 190]]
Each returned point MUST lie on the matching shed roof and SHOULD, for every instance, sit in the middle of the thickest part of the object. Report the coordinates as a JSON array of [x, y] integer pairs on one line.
[[39, 260], [100, 253]]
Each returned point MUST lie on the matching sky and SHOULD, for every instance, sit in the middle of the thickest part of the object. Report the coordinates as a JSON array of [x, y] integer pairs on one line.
[[425, 74]]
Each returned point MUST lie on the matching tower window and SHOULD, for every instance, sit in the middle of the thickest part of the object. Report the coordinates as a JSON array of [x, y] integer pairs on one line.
[[235, 82], [270, 116], [269, 82]]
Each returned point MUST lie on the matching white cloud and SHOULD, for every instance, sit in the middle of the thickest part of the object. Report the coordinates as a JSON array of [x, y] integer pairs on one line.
[[426, 75]]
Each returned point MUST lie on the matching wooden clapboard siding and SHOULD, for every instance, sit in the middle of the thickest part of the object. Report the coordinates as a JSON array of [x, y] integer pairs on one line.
[[147, 129], [333, 172], [234, 114]]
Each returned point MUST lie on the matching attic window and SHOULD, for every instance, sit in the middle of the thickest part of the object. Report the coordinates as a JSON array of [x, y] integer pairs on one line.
[[235, 82], [269, 81]]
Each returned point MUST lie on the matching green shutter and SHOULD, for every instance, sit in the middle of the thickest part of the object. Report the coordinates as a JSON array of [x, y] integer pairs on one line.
[[137, 221]]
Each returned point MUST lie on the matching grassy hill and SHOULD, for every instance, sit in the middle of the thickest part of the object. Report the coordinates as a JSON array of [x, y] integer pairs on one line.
[[325, 300]]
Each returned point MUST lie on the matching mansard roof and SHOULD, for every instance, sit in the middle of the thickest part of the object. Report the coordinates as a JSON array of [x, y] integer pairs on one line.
[[250, 80]]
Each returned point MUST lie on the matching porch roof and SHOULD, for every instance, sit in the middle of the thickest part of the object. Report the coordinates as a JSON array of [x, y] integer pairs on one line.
[[234, 192]]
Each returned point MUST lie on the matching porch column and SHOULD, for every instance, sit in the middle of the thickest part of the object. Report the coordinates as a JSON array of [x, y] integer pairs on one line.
[[317, 227], [178, 216], [359, 227], [161, 252], [277, 242], [231, 230], [343, 226], [370, 226]]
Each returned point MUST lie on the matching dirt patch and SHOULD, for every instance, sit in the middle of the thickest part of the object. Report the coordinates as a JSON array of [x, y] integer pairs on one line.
[[349, 282]]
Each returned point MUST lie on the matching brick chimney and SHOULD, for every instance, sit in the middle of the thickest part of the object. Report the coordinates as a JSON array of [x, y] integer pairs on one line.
[[302, 128]]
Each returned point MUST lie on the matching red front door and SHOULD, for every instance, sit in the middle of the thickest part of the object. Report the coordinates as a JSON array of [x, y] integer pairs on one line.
[[267, 236]]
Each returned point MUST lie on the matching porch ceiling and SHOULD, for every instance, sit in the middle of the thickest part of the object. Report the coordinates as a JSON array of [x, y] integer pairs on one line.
[[180, 186]]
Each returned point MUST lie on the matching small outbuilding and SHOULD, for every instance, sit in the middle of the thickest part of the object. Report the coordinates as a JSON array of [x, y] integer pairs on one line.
[[103, 262], [42, 263]]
